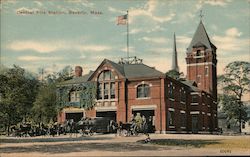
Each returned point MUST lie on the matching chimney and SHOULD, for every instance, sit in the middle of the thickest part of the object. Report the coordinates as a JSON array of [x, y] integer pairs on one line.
[[78, 71]]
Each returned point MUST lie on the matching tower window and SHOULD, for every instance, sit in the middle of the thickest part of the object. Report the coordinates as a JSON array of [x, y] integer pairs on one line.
[[198, 53]]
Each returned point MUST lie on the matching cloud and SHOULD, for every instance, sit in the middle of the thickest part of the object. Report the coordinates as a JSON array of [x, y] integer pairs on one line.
[[38, 3], [52, 46], [95, 48], [158, 40], [41, 47], [36, 58], [230, 41], [114, 10], [183, 39], [233, 32], [221, 3]]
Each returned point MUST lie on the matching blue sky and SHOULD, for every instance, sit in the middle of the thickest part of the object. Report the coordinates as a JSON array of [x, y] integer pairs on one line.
[[85, 39]]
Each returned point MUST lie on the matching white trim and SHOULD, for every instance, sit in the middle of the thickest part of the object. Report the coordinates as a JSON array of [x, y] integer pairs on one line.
[[203, 112], [205, 63], [203, 103], [170, 109], [194, 103], [195, 112], [171, 99], [143, 107], [183, 127], [194, 93], [103, 109], [209, 114], [171, 127], [182, 102], [182, 111], [204, 128], [142, 98], [199, 56]]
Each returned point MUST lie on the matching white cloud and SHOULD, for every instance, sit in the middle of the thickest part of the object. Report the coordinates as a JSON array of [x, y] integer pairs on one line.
[[114, 10], [230, 41], [38, 3], [36, 58], [233, 32], [183, 39], [41, 47], [52, 46], [221, 3], [95, 48], [148, 10], [158, 40]]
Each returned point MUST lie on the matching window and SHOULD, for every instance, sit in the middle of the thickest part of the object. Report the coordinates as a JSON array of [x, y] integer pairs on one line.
[[143, 91], [203, 120], [74, 96], [112, 90], [183, 95], [195, 98], [198, 53], [171, 90], [206, 71], [198, 79], [106, 90], [183, 119], [106, 85], [170, 118]]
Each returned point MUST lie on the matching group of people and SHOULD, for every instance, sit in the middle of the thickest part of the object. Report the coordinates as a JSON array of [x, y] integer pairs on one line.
[[141, 124]]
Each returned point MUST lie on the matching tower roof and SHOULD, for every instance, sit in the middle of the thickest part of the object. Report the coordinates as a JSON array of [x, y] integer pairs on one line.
[[200, 38]]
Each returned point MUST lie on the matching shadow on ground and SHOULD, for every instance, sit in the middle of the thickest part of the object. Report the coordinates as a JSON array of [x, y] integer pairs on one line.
[[182, 143], [81, 147], [50, 139]]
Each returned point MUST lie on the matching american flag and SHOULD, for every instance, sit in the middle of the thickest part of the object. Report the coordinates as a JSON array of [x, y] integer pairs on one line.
[[122, 20]]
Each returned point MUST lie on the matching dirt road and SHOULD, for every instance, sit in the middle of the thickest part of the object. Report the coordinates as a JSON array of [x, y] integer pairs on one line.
[[111, 145]]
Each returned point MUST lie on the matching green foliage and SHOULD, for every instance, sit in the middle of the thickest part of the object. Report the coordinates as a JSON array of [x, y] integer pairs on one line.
[[18, 91], [44, 108], [87, 95], [174, 74], [234, 83]]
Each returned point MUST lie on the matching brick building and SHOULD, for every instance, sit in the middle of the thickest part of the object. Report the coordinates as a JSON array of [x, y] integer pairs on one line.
[[122, 89]]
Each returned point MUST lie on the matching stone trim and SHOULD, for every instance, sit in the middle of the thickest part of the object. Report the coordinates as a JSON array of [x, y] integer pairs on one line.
[[195, 112], [143, 107], [103, 109]]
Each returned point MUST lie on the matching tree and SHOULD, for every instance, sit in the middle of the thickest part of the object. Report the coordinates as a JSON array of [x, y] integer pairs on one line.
[[235, 83], [18, 91], [174, 74], [44, 108], [65, 74]]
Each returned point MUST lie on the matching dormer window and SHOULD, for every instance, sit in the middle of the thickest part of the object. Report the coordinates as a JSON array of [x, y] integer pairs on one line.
[[143, 91]]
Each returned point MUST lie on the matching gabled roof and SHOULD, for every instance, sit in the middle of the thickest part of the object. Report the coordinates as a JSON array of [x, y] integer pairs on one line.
[[133, 71], [192, 85], [200, 38], [77, 80]]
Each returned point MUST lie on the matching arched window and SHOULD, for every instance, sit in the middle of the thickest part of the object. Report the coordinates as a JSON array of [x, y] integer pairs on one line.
[[143, 91], [106, 85]]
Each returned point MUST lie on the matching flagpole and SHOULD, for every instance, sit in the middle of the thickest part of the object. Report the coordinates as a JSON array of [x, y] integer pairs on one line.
[[127, 37]]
